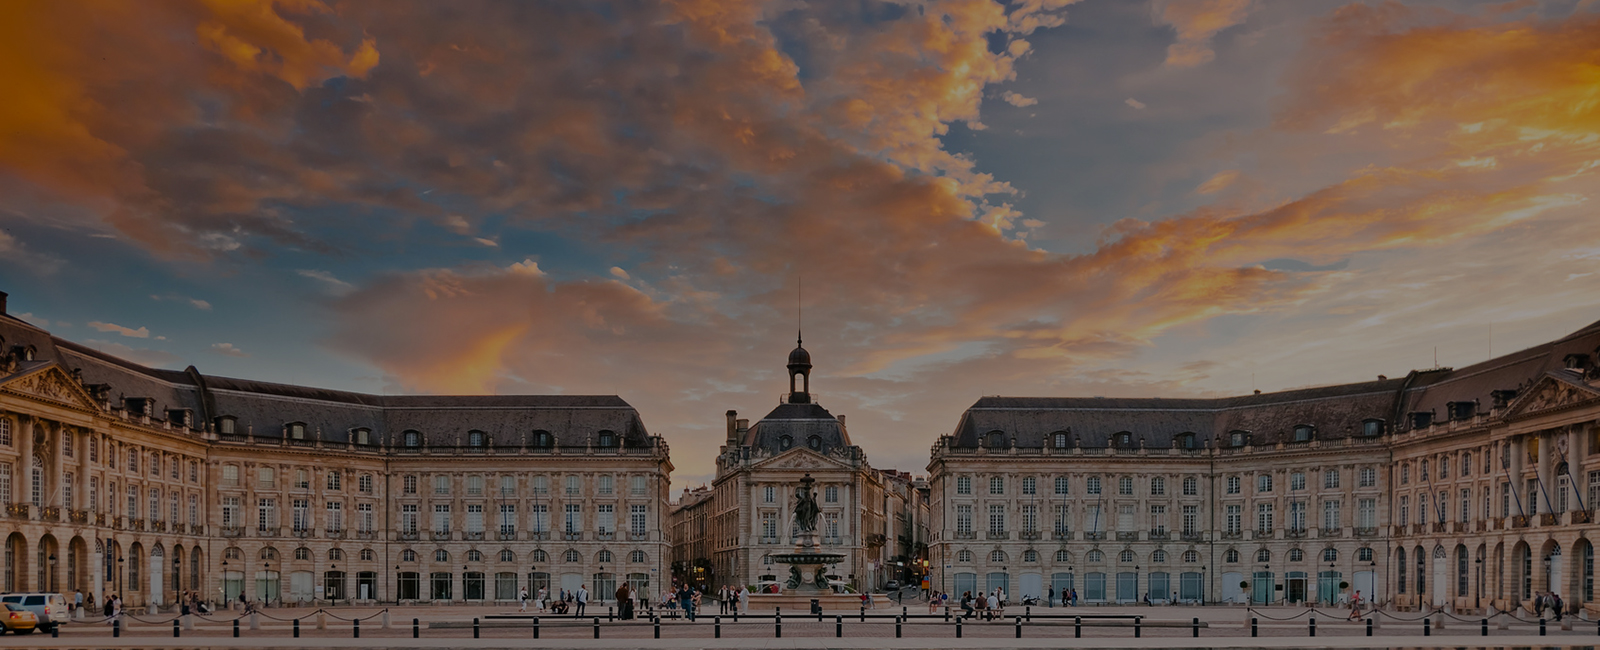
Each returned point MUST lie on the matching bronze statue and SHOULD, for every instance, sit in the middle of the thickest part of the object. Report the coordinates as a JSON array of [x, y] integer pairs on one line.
[[805, 506]]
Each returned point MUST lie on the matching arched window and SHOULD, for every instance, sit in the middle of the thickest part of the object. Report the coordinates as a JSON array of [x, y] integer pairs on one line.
[[363, 436], [1371, 428], [1191, 556], [1125, 557], [1030, 555], [507, 556], [1263, 555], [412, 439], [1330, 555], [997, 556], [815, 443], [367, 555], [1158, 556], [474, 438], [1231, 557], [785, 442], [267, 553], [573, 556], [441, 555], [607, 439], [1063, 556], [335, 555], [474, 555], [540, 556], [1296, 555], [297, 430], [408, 555], [1095, 556], [1186, 441], [302, 553], [603, 557], [638, 557], [1237, 438], [1124, 440], [1364, 554], [964, 556]]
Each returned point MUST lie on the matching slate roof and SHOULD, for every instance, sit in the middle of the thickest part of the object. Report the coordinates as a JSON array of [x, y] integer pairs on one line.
[[800, 422], [265, 408]]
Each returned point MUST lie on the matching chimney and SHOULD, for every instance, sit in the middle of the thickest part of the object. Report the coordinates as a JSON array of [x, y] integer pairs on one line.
[[841, 419], [3, 302], [742, 426], [733, 426]]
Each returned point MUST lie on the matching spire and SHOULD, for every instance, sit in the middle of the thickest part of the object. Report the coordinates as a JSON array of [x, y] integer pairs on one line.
[[799, 361], [799, 310]]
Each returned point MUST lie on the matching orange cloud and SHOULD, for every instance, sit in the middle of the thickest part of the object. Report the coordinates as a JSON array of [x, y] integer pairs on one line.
[[1196, 22]]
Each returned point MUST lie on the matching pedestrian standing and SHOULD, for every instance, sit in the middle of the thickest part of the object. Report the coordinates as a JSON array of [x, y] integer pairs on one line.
[[583, 599]]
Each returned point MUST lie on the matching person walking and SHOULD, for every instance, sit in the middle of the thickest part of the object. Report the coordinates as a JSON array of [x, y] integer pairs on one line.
[[744, 599], [1355, 607], [624, 604], [686, 600], [539, 600], [1557, 604], [1050, 597], [583, 599], [523, 596]]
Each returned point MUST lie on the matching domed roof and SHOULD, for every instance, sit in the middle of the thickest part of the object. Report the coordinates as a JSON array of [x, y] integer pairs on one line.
[[798, 425], [799, 357]]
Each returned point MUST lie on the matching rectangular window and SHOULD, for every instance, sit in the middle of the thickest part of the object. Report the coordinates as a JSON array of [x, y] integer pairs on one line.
[[475, 485], [1030, 518], [508, 519], [606, 486], [1594, 491], [997, 485], [5, 481], [94, 490], [574, 486], [963, 485], [1092, 485], [1233, 519], [1368, 478], [831, 526], [408, 518], [830, 494], [1063, 486], [1029, 486], [335, 481], [155, 504], [637, 518], [230, 512], [1264, 483], [1297, 481], [364, 518], [1533, 496], [963, 519], [334, 517], [408, 484], [94, 449], [194, 471], [1330, 479], [769, 526], [66, 489], [574, 518], [172, 509], [1263, 517], [541, 518], [66, 443], [301, 510], [177, 469], [475, 518], [155, 465], [441, 484], [1191, 519], [1063, 518], [1367, 512], [769, 494], [1297, 515], [1331, 519], [1405, 510], [1125, 518], [1505, 499], [1125, 486], [541, 485], [1096, 525], [638, 487], [133, 501], [607, 515], [1158, 486], [302, 479], [1158, 519], [1563, 486], [1233, 485], [230, 475], [1444, 468], [997, 518], [266, 514], [1466, 505], [508, 486], [266, 478], [441, 518], [364, 484]]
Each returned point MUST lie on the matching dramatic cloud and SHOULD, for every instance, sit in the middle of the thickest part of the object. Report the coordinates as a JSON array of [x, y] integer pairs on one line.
[[141, 333], [1196, 21]]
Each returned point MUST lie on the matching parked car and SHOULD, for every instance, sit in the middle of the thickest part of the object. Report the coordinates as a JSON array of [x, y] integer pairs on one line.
[[50, 610], [893, 585], [17, 620]]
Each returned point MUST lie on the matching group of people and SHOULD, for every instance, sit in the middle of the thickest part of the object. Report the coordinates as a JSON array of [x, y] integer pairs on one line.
[[1069, 597], [113, 608], [572, 602], [1548, 600], [734, 599], [988, 607]]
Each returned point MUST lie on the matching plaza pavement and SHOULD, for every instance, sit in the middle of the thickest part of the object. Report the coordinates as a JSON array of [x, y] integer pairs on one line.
[[1165, 627]]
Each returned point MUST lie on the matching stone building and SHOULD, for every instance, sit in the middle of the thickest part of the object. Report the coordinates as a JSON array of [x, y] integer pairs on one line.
[[118, 478], [1465, 488]]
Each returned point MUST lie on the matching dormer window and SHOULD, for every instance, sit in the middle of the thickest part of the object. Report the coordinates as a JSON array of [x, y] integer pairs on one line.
[[27, 353], [997, 440], [363, 436], [1061, 440], [1238, 438], [1371, 428], [1462, 410], [785, 442], [411, 439], [1421, 419], [1186, 441], [815, 443], [297, 431], [1302, 433], [608, 439], [1124, 440], [474, 438], [225, 425], [178, 417], [542, 440]]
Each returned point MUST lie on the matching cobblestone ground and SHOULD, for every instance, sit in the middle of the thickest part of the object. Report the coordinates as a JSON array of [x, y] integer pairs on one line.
[[445, 625]]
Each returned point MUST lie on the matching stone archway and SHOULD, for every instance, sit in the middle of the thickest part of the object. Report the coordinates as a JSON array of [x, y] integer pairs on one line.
[[16, 562]]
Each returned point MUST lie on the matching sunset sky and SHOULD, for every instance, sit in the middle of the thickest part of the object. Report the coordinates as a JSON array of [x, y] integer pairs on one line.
[[1031, 197]]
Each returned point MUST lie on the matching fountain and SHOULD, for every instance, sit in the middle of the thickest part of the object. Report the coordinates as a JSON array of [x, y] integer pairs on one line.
[[807, 567]]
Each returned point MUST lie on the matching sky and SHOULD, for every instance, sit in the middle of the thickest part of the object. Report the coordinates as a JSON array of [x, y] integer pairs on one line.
[[1031, 197]]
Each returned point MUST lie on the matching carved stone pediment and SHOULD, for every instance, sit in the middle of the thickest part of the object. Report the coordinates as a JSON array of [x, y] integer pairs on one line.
[[51, 384], [803, 459], [1553, 392]]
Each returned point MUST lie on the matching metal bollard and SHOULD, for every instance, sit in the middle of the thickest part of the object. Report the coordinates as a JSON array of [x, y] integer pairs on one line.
[[1369, 626], [1077, 627], [116, 628], [897, 627], [1019, 626], [947, 614], [1027, 612], [355, 629], [174, 628], [718, 621], [611, 614], [597, 627], [1485, 623], [1427, 627], [838, 626], [297, 628], [863, 614], [1541, 627], [1197, 627], [1137, 621], [777, 626], [536, 626], [958, 627], [475, 627], [416, 628], [905, 612], [235, 628], [658, 627], [1253, 630]]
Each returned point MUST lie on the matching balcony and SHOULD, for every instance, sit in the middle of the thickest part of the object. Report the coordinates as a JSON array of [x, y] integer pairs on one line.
[[997, 534], [233, 531], [1399, 530], [136, 524], [1094, 537], [572, 536], [769, 540], [1519, 521], [334, 533], [440, 535], [78, 516], [1366, 532], [1293, 533], [366, 534], [472, 535], [966, 535], [18, 510], [1029, 535], [1482, 526], [50, 513], [1232, 535], [638, 536], [409, 536], [1124, 536], [302, 533], [1263, 534], [1582, 517], [507, 535], [1499, 523], [1419, 529], [1159, 536], [1440, 527], [1062, 535], [100, 519], [1458, 527], [158, 526], [274, 531], [539, 536], [1330, 533], [606, 535], [1545, 519], [833, 541]]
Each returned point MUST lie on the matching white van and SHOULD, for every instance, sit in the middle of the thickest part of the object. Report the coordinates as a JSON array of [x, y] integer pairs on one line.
[[50, 608]]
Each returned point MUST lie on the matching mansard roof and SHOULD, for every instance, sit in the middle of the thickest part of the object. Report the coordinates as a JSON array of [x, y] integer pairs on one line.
[[799, 422]]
